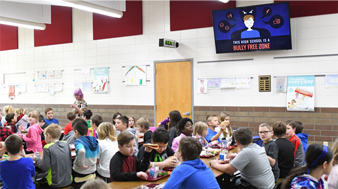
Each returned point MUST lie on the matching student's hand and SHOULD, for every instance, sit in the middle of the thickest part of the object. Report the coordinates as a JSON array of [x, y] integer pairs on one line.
[[213, 162], [84, 167], [231, 155], [2, 148], [170, 162], [222, 127], [147, 149], [21, 128], [214, 142], [142, 175], [23, 153]]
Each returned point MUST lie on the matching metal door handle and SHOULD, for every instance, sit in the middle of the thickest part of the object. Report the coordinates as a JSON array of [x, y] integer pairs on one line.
[[187, 113]]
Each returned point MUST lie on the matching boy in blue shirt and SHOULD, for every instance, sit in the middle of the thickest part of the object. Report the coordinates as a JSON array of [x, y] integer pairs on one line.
[[16, 171], [213, 122], [192, 173], [49, 120], [87, 149]]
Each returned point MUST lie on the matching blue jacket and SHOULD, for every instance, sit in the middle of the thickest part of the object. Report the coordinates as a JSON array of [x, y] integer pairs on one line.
[[192, 174], [305, 139]]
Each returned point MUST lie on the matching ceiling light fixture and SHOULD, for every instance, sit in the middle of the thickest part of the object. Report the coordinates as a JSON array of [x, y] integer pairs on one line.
[[224, 1], [22, 23], [90, 7]]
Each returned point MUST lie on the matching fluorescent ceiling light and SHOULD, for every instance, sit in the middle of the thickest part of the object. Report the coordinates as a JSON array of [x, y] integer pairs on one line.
[[22, 23], [224, 1], [82, 5]]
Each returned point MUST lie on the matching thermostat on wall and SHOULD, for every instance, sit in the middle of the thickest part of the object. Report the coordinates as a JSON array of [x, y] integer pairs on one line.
[[168, 43]]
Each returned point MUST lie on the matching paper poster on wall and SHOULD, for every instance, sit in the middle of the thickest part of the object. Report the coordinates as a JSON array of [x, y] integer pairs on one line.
[[227, 83], [41, 88], [331, 81], [50, 74], [300, 93], [135, 75], [11, 92], [58, 74], [77, 85], [58, 87], [51, 89], [42, 74], [202, 86], [214, 83], [100, 84], [243, 83], [86, 86], [280, 84]]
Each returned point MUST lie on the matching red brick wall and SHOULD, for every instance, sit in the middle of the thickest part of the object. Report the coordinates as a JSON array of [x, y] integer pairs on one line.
[[321, 125]]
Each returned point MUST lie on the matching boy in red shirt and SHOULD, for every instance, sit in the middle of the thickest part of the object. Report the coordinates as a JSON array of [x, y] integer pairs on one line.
[[292, 137]]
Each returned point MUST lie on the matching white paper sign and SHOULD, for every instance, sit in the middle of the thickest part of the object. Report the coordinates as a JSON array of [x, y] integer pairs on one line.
[[57, 74], [58, 87], [243, 83], [228, 83], [202, 86]]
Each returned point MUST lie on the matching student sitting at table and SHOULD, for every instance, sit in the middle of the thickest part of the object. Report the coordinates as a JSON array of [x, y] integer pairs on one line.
[[163, 156], [96, 121], [224, 119], [56, 158], [70, 136], [185, 128], [87, 149], [200, 132], [33, 136], [213, 122], [251, 161], [108, 147], [192, 173], [95, 184], [292, 137], [142, 125], [124, 166], [16, 171], [271, 149], [121, 124], [285, 149], [49, 113], [70, 116]]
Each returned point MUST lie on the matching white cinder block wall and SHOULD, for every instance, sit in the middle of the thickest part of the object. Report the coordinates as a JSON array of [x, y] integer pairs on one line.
[[315, 35]]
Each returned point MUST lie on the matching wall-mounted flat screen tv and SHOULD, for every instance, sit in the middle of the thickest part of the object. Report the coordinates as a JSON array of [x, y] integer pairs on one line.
[[253, 28]]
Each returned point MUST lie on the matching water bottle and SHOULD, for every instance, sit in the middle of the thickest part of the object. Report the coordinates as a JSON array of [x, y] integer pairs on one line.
[[224, 143]]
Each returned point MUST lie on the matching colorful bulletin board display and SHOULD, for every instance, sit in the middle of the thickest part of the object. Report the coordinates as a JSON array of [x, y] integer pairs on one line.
[[228, 83], [331, 81], [243, 82], [300, 93], [135, 75], [214, 83], [202, 86], [100, 83]]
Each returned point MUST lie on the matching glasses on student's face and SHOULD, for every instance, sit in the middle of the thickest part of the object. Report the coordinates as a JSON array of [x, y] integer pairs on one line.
[[264, 132]]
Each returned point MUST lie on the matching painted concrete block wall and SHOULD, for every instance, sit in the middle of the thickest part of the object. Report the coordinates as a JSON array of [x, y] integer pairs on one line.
[[315, 35]]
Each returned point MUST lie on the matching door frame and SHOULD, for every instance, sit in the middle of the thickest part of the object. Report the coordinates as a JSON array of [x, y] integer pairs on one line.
[[192, 85]]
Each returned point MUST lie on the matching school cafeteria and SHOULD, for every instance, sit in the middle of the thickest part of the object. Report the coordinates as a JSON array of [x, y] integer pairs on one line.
[[165, 94]]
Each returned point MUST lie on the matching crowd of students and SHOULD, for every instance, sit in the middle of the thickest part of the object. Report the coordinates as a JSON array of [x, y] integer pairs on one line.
[[110, 151]]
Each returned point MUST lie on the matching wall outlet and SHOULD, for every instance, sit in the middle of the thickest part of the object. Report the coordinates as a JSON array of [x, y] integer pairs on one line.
[[325, 143]]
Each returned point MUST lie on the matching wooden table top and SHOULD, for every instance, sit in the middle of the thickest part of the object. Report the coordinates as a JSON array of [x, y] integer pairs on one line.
[[134, 184]]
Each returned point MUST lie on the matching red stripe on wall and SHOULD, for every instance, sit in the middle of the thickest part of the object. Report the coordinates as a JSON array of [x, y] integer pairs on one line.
[[130, 24], [194, 14], [8, 37], [59, 31], [311, 8]]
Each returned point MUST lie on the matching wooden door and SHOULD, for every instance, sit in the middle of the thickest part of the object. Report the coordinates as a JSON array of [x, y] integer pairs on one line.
[[173, 89]]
